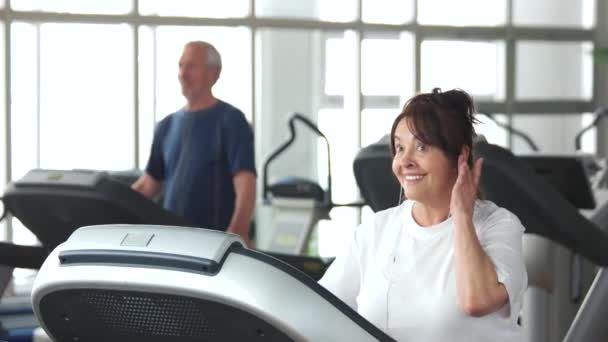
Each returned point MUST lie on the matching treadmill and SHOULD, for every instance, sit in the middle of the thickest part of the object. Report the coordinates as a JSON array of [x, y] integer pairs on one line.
[[546, 192], [139, 283], [52, 204]]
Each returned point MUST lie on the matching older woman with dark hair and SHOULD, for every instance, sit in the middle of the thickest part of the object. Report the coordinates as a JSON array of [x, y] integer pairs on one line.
[[444, 265]]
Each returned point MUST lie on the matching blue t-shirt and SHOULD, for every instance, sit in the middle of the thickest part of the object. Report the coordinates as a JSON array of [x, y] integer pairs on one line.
[[197, 154]]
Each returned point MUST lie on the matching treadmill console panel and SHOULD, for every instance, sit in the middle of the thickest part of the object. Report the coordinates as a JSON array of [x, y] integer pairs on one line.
[[52, 178], [567, 174]]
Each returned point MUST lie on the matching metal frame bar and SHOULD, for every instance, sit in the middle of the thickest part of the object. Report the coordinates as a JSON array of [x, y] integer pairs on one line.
[[135, 30], [7, 111], [600, 75], [425, 31]]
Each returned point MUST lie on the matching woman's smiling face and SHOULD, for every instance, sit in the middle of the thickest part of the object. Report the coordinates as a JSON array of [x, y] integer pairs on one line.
[[424, 171]]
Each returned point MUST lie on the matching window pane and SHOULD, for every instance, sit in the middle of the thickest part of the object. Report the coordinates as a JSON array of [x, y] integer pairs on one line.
[[3, 156], [340, 128], [332, 233], [24, 101], [86, 96], [387, 11], [147, 103], [233, 44], [559, 139], [335, 10], [74, 6], [462, 12], [340, 65], [376, 123], [387, 66], [477, 67], [538, 63], [493, 133], [195, 8], [573, 13]]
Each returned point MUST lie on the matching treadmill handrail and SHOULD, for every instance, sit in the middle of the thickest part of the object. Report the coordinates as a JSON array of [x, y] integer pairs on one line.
[[327, 202], [599, 114]]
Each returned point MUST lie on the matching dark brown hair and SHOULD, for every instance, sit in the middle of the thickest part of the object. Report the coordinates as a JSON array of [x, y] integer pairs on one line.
[[441, 119]]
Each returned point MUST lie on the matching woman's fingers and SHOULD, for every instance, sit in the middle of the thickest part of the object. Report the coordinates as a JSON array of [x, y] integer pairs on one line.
[[477, 172]]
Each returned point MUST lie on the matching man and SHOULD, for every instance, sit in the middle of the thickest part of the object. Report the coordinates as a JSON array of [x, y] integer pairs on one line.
[[203, 154]]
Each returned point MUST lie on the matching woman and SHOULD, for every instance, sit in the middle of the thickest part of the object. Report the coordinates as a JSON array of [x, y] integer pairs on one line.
[[444, 265]]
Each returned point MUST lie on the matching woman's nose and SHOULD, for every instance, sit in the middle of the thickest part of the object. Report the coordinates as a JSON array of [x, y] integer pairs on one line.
[[406, 158]]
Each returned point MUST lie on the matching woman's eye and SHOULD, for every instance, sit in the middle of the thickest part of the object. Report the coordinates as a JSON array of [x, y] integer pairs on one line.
[[420, 147]]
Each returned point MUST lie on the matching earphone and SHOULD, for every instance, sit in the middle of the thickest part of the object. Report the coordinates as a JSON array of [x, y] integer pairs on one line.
[[401, 193]]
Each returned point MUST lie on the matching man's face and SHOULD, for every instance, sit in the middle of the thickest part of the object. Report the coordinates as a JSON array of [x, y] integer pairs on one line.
[[194, 75]]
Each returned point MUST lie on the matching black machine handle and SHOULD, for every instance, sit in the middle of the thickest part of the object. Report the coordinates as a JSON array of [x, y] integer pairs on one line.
[[4, 210], [514, 131], [21, 256], [599, 114], [299, 117]]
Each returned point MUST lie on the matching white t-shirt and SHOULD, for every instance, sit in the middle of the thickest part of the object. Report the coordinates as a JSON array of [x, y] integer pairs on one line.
[[400, 276]]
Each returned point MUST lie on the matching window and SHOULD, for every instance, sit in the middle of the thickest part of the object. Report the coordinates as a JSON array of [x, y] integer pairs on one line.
[[575, 13], [559, 139], [387, 11], [462, 13], [25, 102], [3, 156], [340, 128], [74, 6], [147, 93], [195, 8], [387, 66], [86, 120], [541, 63], [376, 123], [340, 69], [94, 98], [477, 67], [335, 10], [491, 131]]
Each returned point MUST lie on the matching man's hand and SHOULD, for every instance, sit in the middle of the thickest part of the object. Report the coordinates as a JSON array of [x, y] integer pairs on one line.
[[243, 233]]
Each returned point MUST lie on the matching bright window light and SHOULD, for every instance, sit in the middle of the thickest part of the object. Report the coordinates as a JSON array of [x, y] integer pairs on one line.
[[74, 6], [476, 67], [195, 8]]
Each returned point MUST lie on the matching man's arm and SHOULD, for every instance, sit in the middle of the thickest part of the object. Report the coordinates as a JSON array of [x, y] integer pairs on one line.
[[147, 186], [244, 188]]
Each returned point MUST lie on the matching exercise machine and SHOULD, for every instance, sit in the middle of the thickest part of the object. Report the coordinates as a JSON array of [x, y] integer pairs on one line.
[[563, 247], [160, 283], [297, 204]]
